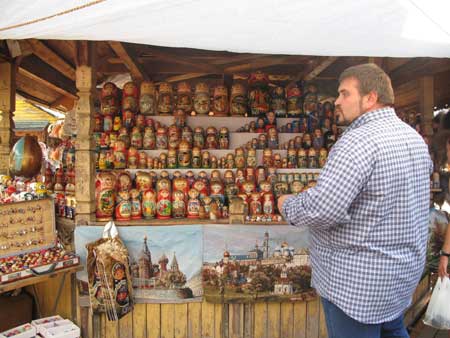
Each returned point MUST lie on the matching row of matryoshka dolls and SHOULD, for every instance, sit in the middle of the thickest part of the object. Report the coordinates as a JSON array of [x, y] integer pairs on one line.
[[256, 101], [181, 197]]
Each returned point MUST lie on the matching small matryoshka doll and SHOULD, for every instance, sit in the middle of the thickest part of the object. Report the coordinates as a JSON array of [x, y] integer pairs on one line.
[[179, 118], [323, 154], [238, 100], [214, 162], [201, 99], [298, 142], [278, 103], [248, 187], [147, 99], [228, 177], [211, 138], [117, 123], [272, 140], [199, 138], [262, 141], [142, 160], [251, 158], [130, 97], [109, 99], [307, 143], [184, 155], [239, 158], [120, 157], [124, 181], [206, 161], [181, 184], [240, 177], [127, 119], [217, 192], [105, 184], [260, 125], [190, 177], [187, 135], [206, 201], [265, 186], [271, 121], [268, 205], [149, 204], [136, 207], [229, 163], [173, 137], [161, 138], [296, 187], [132, 158], [193, 203], [163, 160], [277, 160], [220, 101], [98, 123], [201, 187], [224, 138], [124, 136], [310, 101], [312, 158], [292, 158], [136, 138], [165, 99], [267, 157], [108, 122], [260, 174], [280, 188], [163, 199], [318, 140], [255, 206], [140, 122], [327, 108], [123, 206], [302, 158], [172, 159], [293, 102], [184, 97], [143, 181], [258, 95], [178, 204], [196, 158]]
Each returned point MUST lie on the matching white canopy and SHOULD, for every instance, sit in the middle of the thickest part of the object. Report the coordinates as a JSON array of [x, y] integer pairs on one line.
[[396, 28]]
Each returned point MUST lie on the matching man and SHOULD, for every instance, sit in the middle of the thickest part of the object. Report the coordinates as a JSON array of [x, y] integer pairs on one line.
[[368, 213]]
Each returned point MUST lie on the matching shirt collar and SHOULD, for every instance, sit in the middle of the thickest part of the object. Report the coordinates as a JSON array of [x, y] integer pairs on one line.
[[377, 114]]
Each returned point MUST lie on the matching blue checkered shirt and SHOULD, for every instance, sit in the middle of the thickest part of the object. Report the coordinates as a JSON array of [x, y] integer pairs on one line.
[[368, 217]]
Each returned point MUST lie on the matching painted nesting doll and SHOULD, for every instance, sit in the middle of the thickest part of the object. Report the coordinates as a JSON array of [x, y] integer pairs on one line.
[[147, 98], [201, 99], [220, 101], [238, 100], [184, 97], [130, 97], [165, 99], [278, 101], [109, 99], [293, 102], [163, 199], [258, 94]]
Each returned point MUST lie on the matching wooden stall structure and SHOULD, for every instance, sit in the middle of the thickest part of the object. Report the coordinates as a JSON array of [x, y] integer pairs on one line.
[[65, 75]]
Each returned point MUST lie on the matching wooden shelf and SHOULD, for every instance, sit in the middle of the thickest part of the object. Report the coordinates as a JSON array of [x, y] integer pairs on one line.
[[196, 171], [182, 221]]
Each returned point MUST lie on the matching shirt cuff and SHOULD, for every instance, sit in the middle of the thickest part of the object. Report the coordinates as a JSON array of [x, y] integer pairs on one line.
[[284, 207]]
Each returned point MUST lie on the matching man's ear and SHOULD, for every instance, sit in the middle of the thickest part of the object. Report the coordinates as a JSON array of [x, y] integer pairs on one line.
[[371, 99]]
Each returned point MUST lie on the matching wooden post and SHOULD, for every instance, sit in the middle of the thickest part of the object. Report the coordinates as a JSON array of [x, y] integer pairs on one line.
[[7, 107], [426, 102], [85, 145]]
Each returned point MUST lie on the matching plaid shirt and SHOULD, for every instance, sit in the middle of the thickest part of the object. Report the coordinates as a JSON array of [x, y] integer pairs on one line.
[[368, 216]]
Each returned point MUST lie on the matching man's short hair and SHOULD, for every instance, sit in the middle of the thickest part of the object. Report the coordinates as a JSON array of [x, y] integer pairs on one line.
[[371, 78]]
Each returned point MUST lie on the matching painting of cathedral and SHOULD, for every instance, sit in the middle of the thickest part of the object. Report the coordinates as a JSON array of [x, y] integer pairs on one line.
[[256, 263]]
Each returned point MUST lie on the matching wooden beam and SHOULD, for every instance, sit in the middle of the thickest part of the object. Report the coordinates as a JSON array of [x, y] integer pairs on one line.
[[33, 99], [426, 102], [63, 101], [53, 59], [136, 70], [184, 77], [258, 64], [7, 107], [418, 67], [320, 67]]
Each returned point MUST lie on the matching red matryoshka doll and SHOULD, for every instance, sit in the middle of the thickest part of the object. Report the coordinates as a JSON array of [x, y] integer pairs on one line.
[[109, 99], [130, 97], [165, 100], [147, 98], [193, 204], [180, 184], [143, 181], [136, 138], [201, 187], [136, 206], [149, 139], [201, 99], [190, 177], [251, 158], [199, 138], [211, 138], [238, 100], [140, 122], [161, 138], [220, 101], [98, 123], [268, 204], [240, 177], [312, 158], [248, 187], [123, 206], [255, 206], [123, 136], [267, 157], [224, 138], [124, 181], [323, 155], [277, 160], [239, 158], [127, 119], [258, 95], [133, 156], [272, 140], [228, 177], [142, 160], [271, 121], [120, 158], [278, 101], [310, 101], [149, 204], [293, 102], [163, 199], [178, 204], [260, 125], [184, 97], [173, 137]]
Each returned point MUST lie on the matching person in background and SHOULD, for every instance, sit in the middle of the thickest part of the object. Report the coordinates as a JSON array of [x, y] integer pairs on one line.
[[368, 214]]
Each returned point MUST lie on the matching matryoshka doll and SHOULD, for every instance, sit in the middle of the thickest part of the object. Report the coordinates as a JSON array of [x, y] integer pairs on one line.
[[260, 174], [251, 158], [220, 101], [248, 187], [217, 192], [124, 181], [307, 143], [268, 204], [238, 100], [267, 157], [272, 140], [98, 123], [206, 201], [255, 207], [211, 138], [201, 187], [292, 158], [149, 140], [147, 98], [130, 97], [140, 122], [143, 181], [163, 160], [187, 135], [201, 99], [172, 159], [259, 97], [206, 160], [161, 138], [142, 160], [278, 102], [178, 204], [163, 199], [184, 97], [109, 99], [323, 154], [311, 100], [318, 141], [312, 158], [123, 136], [271, 121], [277, 162], [240, 178], [117, 123], [149, 204], [262, 141], [120, 159], [127, 119], [293, 102], [165, 99], [184, 155], [136, 138], [229, 163], [296, 187], [136, 206], [228, 177], [196, 158], [193, 203], [190, 178], [224, 138], [123, 206], [199, 138], [173, 137], [302, 158], [239, 158], [265, 186], [214, 162], [133, 156]]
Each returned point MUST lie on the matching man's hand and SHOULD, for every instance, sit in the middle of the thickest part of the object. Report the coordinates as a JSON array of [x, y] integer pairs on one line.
[[443, 263], [281, 200]]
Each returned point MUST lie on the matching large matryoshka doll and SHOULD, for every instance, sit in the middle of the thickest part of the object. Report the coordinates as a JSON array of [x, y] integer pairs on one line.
[[180, 184], [310, 103], [184, 155], [124, 181], [109, 99], [201, 99], [184, 97], [147, 98], [293, 102], [149, 203], [278, 102], [163, 199], [220, 101], [178, 204], [217, 192], [165, 99], [123, 206], [258, 95], [193, 204], [130, 97], [173, 136], [238, 100], [105, 184]]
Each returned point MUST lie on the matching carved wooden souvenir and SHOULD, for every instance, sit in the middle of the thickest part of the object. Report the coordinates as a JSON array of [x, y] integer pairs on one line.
[[296, 187], [163, 199], [217, 192], [237, 211], [271, 121], [104, 141], [163, 160], [109, 99], [136, 138], [161, 138], [259, 97], [239, 158], [193, 204], [130, 97], [147, 99], [251, 158], [132, 158], [206, 161], [165, 99], [124, 136], [143, 181], [172, 159], [224, 138], [318, 141], [293, 102], [196, 158], [142, 160], [173, 137], [211, 138], [199, 138], [201, 187], [292, 158], [149, 204], [302, 158], [278, 102], [127, 119], [312, 158], [123, 206], [228, 177], [120, 160], [248, 187], [190, 178], [136, 206], [238, 100], [267, 157], [149, 140], [178, 204], [139, 122], [230, 164], [272, 140], [108, 123], [323, 155], [202, 99], [117, 123], [311, 100], [220, 101], [240, 177], [124, 181], [255, 206], [262, 141], [277, 160], [307, 143], [105, 183], [98, 123], [187, 135], [281, 188], [184, 155], [184, 97]]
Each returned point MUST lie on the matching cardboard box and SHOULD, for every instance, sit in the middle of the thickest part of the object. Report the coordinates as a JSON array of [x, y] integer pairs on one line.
[[22, 331]]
